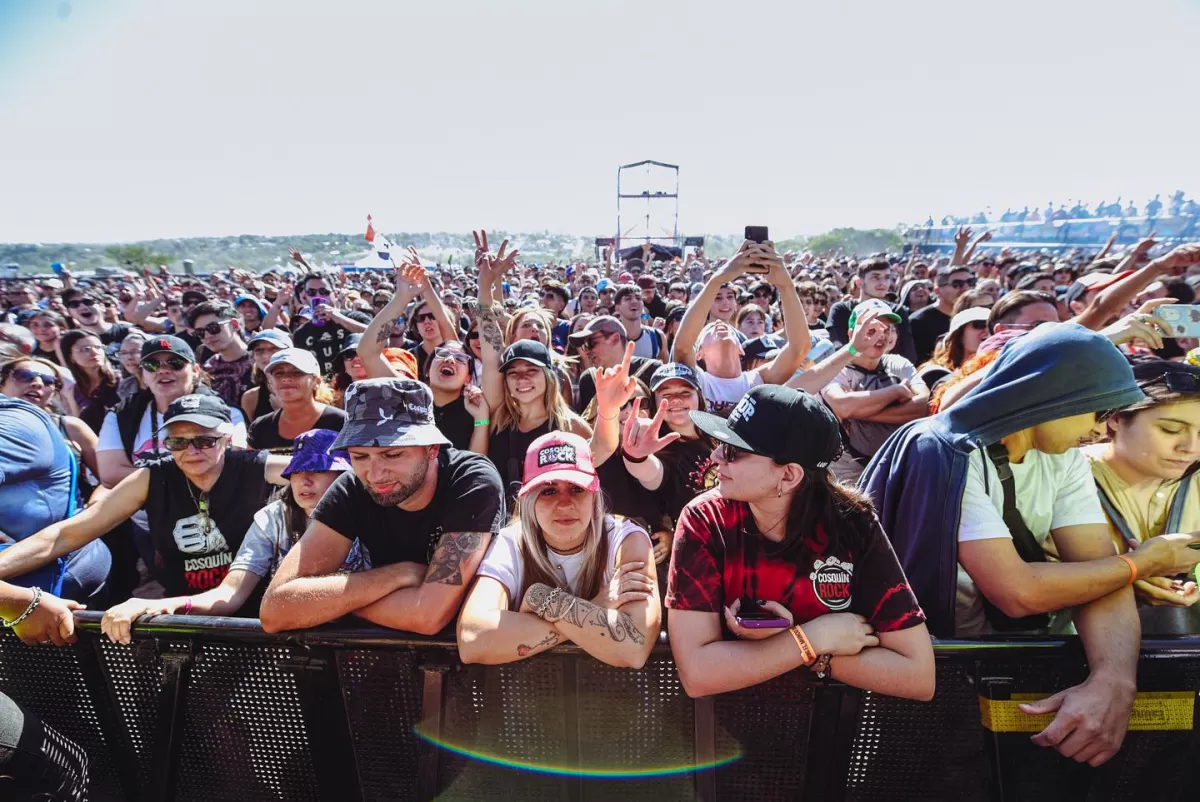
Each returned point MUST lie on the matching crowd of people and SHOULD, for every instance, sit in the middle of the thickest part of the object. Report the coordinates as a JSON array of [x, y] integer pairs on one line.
[[788, 460], [1178, 205]]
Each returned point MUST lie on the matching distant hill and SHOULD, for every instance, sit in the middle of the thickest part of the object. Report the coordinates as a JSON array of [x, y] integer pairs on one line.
[[253, 252]]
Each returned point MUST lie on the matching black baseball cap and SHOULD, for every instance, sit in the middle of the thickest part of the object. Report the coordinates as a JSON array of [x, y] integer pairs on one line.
[[208, 411], [526, 351], [167, 344], [673, 371], [193, 297], [350, 344], [778, 422]]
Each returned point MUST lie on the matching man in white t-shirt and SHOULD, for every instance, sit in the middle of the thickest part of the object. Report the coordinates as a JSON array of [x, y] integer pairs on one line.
[[717, 344]]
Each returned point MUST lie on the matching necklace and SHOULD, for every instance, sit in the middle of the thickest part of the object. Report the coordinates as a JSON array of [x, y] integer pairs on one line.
[[201, 508]]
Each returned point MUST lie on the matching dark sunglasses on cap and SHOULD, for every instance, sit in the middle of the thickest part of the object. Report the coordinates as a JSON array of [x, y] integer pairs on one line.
[[26, 376], [75, 303], [1177, 381], [201, 443], [175, 363], [457, 356]]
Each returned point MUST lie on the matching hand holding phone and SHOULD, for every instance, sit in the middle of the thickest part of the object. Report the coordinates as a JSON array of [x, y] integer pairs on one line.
[[1182, 320], [754, 614]]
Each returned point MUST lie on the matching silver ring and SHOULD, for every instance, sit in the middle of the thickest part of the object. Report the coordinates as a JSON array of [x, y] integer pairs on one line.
[[45, 643]]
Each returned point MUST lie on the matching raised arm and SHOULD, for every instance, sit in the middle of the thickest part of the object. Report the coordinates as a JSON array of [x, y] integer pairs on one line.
[[795, 323], [984, 237], [614, 388], [684, 349], [383, 325], [961, 237], [275, 313]]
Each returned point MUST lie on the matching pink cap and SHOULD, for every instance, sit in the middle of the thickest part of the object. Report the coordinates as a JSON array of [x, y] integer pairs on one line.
[[559, 456]]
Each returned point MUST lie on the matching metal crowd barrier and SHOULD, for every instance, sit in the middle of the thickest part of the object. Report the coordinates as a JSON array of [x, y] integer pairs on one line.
[[215, 709]]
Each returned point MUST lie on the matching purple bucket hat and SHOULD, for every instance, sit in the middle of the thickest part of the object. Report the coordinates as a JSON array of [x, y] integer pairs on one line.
[[311, 453]]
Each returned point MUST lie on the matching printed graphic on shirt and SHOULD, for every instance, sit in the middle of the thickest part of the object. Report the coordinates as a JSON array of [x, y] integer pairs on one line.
[[831, 582], [703, 476], [144, 455], [199, 534]]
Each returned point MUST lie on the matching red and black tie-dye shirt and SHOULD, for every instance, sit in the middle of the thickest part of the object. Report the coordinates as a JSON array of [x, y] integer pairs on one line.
[[719, 556]]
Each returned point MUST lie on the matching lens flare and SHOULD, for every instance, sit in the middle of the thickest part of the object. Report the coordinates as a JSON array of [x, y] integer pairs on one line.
[[595, 772]]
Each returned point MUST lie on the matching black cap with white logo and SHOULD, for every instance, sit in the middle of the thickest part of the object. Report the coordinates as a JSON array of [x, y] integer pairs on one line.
[[781, 423]]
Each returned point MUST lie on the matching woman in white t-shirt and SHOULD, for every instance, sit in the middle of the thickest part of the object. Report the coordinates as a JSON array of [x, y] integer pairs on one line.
[[563, 571]]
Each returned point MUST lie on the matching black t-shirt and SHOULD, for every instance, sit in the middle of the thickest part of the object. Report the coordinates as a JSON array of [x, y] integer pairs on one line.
[[455, 422], [507, 450], [627, 497], [639, 368], [115, 334], [467, 499], [49, 356], [264, 432], [192, 551], [838, 324], [325, 342], [688, 471], [928, 324], [657, 306]]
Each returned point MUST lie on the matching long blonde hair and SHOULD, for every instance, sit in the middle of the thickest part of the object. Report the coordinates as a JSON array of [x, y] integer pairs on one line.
[[536, 563], [558, 414]]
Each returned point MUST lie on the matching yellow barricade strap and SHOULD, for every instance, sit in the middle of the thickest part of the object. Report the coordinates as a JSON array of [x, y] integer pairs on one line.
[[1152, 710]]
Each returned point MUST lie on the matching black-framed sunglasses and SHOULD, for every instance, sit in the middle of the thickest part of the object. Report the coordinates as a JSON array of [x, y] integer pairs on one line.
[[75, 303], [978, 325], [731, 453], [473, 335], [176, 363], [447, 353], [959, 283], [425, 317], [26, 376], [1177, 381], [213, 328], [590, 342], [378, 302], [201, 443]]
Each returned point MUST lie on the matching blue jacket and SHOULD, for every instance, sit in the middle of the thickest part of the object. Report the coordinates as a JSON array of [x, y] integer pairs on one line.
[[917, 478]]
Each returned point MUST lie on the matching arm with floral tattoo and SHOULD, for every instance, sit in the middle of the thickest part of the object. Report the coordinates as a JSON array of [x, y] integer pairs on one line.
[[429, 607], [491, 342]]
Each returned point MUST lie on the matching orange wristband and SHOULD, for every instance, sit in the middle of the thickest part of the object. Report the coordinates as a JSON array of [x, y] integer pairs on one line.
[[807, 653], [1132, 567]]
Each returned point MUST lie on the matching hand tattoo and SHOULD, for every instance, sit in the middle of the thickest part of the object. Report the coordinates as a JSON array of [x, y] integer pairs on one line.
[[582, 613], [551, 639], [385, 331], [453, 550]]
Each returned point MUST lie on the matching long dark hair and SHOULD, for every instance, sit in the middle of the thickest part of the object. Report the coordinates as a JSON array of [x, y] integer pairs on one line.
[[842, 512], [108, 377]]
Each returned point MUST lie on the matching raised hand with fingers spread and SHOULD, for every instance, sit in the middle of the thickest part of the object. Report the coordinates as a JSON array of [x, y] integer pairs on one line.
[[640, 438]]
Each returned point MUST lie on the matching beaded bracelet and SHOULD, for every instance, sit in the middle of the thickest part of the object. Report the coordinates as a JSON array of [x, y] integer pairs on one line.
[[33, 605]]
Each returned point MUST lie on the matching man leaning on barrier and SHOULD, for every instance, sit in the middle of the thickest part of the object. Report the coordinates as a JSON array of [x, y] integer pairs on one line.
[[993, 513], [424, 511]]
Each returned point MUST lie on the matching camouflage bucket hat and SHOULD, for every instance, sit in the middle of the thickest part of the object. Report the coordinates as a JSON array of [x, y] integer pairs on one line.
[[383, 413]]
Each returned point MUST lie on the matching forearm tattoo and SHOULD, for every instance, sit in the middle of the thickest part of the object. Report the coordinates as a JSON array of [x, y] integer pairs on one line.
[[489, 328], [583, 614], [453, 550], [385, 331], [524, 650]]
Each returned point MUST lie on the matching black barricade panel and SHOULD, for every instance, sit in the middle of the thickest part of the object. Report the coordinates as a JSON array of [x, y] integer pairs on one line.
[[921, 750], [768, 725], [244, 734], [48, 681], [505, 732], [382, 690], [134, 673]]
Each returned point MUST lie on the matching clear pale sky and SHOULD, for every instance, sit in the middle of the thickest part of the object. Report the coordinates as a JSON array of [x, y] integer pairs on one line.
[[131, 120]]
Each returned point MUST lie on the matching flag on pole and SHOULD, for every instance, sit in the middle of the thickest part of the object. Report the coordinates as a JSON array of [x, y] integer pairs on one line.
[[370, 230]]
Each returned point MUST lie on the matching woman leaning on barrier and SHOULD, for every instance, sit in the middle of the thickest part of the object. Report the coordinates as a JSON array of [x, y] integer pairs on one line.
[[564, 570], [275, 529], [780, 566], [1147, 478]]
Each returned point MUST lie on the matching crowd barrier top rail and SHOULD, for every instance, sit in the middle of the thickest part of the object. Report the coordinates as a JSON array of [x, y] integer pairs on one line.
[[249, 630]]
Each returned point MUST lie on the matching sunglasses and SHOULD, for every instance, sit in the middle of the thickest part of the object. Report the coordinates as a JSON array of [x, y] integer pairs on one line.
[[175, 363], [978, 325], [590, 343], [730, 453], [959, 283], [1176, 382], [213, 328], [425, 317], [26, 376], [78, 302], [457, 356], [380, 302], [201, 443], [474, 335]]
